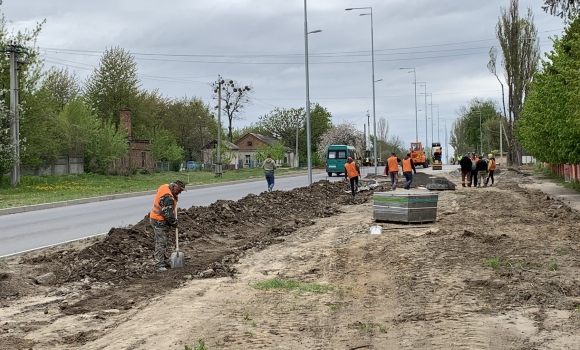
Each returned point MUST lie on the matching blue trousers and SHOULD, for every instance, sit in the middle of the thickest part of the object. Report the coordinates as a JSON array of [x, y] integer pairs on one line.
[[270, 180], [409, 178]]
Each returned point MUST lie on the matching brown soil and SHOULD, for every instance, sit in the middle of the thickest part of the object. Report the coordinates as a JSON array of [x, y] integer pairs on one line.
[[498, 269]]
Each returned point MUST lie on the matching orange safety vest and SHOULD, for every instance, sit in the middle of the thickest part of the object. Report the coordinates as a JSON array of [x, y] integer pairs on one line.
[[156, 213], [407, 167], [393, 164], [492, 167], [350, 169]]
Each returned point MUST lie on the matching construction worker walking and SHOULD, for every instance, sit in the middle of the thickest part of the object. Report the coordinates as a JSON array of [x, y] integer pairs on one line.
[[352, 172], [408, 170], [491, 166], [393, 169]]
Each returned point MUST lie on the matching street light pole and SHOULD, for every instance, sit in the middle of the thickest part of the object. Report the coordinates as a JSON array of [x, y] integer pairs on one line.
[[416, 120], [373, 76], [446, 153], [308, 136], [432, 128], [426, 137]]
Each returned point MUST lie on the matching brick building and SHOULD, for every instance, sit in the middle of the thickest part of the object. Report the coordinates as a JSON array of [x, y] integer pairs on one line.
[[140, 156]]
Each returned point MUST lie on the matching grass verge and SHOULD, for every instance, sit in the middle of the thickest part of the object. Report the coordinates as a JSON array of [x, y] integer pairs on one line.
[[277, 283], [47, 189]]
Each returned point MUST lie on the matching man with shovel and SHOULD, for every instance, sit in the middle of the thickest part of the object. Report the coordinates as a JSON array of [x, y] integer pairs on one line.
[[162, 216]]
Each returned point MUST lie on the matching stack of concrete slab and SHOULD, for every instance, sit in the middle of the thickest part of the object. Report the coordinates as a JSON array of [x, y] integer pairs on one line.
[[405, 207]]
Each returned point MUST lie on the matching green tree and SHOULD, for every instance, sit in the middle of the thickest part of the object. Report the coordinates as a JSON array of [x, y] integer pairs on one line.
[[277, 150], [285, 124], [235, 97], [477, 128], [104, 146], [320, 123], [192, 124], [7, 149], [165, 148], [113, 85], [64, 86], [518, 38], [76, 123], [549, 128], [41, 137]]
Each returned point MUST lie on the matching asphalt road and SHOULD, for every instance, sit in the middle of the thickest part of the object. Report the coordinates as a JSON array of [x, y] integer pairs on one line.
[[37, 229]]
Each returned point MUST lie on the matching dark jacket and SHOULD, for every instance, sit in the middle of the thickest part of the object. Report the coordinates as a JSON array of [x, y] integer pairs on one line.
[[465, 164], [481, 165]]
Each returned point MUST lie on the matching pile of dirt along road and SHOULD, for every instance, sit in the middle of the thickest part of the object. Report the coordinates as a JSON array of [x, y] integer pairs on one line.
[[212, 237]]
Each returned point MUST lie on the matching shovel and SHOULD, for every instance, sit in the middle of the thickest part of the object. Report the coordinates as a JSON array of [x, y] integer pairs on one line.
[[177, 259]]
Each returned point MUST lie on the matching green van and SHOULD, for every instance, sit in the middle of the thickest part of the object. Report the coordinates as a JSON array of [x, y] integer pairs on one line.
[[336, 156]]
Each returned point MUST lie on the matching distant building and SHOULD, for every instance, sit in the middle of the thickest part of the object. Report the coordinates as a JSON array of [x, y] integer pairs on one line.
[[248, 145], [231, 152]]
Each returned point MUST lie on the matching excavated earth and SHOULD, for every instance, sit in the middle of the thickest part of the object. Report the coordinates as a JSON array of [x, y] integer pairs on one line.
[[498, 269]]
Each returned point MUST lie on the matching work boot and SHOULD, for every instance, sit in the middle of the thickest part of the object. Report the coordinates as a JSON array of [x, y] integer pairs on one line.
[[463, 185]]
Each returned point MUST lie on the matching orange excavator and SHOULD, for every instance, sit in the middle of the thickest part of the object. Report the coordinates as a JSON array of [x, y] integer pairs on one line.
[[418, 155]]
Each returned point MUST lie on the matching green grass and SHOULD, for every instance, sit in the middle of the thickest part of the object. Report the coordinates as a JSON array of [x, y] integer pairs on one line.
[[277, 283], [370, 328], [200, 346], [562, 251], [47, 189], [553, 266], [495, 263]]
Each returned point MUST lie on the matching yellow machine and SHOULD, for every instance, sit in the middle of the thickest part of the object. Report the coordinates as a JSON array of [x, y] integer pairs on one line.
[[418, 155], [437, 156]]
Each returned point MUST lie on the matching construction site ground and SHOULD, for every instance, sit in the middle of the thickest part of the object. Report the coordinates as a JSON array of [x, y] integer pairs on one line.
[[498, 269]]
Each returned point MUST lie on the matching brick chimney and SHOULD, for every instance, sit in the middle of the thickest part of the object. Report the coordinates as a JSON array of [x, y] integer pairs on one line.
[[125, 121]]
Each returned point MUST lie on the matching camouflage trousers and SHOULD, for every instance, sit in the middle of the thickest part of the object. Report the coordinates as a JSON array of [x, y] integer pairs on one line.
[[161, 229]]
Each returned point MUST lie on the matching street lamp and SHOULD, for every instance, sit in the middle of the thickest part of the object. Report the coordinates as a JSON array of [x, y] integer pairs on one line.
[[425, 85], [416, 121], [308, 141], [373, 72], [436, 106], [446, 153]]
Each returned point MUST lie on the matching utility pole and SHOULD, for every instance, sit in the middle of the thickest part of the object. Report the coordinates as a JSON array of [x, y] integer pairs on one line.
[[14, 50], [218, 166], [500, 139], [480, 137]]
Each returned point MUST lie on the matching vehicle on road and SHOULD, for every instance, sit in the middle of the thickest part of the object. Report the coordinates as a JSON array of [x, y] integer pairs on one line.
[[418, 155], [336, 156], [437, 154]]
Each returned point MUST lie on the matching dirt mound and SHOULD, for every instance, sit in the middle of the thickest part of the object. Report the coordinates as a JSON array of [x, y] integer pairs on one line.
[[212, 239]]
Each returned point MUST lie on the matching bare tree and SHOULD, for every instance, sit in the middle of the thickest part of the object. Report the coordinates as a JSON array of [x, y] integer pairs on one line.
[[383, 133], [235, 97], [518, 38]]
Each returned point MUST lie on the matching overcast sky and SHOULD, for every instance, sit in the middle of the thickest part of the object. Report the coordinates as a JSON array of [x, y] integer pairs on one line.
[[182, 45]]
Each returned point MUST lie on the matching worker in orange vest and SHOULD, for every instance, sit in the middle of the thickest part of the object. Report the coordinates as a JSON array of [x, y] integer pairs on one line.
[[393, 168], [352, 172], [162, 216], [408, 170], [491, 166]]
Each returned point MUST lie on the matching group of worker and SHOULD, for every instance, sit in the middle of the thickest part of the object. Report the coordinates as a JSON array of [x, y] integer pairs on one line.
[[477, 169], [352, 171]]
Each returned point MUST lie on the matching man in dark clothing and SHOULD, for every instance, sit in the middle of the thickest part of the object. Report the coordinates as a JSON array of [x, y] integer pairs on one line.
[[162, 216], [465, 164], [481, 167]]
